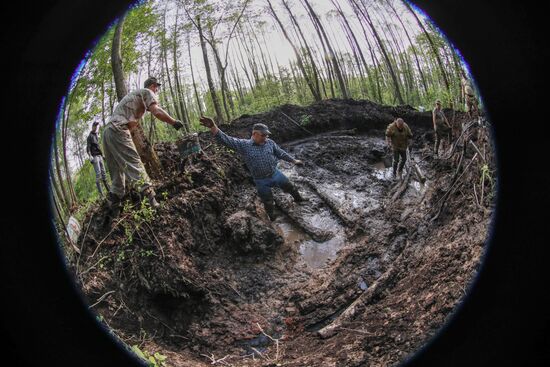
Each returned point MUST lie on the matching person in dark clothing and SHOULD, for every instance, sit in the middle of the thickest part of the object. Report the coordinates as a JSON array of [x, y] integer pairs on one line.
[[96, 158]]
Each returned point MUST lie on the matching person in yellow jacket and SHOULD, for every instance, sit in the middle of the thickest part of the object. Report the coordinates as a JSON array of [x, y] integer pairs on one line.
[[398, 137]]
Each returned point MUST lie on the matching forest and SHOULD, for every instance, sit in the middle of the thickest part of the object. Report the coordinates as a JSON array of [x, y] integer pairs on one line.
[[364, 270], [214, 59]]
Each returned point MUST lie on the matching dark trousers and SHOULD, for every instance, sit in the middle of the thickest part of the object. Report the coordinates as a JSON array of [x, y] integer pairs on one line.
[[264, 186], [399, 156]]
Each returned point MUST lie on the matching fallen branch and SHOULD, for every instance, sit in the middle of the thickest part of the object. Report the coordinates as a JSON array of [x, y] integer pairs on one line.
[[272, 339], [108, 234], [295, 123], [455, 143], [101, 299], [315, 233], [475, 195], [451, 189], [363, 300], [358, 331], [417, 171], [403, 185], [330, 203], [478, 151], [93, 266], [158, 242]]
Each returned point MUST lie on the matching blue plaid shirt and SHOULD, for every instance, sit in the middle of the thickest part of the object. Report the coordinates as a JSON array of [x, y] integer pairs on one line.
[[261, 160]]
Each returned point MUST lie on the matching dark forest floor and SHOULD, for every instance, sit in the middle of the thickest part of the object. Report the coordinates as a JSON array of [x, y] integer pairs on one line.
[[363, 273]]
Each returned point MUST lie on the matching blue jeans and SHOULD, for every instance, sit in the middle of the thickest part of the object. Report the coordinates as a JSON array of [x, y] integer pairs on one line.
[[264, 185]]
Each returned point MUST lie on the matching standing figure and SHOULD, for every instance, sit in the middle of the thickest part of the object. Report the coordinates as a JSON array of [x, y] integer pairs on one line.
[[469, 96], [261, 156], [442, 128], [96, 158], [398, 136], [121, 155]]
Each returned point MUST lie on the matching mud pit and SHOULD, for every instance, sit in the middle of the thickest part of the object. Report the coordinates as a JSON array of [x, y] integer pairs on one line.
[[358, 274]]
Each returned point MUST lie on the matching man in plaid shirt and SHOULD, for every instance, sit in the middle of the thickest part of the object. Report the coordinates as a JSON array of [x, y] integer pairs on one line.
[[261, 156]]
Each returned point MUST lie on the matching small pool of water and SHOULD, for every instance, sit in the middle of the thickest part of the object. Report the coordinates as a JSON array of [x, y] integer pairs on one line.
[[314, 254]]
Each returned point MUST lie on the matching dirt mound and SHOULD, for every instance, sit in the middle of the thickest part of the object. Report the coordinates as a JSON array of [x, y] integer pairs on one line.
[[363, 271]]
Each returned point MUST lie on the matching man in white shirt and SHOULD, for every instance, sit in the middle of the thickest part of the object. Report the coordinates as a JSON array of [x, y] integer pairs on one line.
[[122, 158]]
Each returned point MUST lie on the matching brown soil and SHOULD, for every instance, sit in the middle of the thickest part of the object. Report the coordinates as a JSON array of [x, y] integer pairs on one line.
[[360, 274]]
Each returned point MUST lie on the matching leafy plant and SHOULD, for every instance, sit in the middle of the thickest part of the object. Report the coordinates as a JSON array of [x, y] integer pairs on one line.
[[153, 360], [305, 120]]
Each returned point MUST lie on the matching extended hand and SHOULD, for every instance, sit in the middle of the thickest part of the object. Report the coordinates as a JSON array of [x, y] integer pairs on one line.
[[207, 122], [177, 125]]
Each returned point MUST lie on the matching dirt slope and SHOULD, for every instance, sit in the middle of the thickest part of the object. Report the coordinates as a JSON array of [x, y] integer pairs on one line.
[[362, 273]]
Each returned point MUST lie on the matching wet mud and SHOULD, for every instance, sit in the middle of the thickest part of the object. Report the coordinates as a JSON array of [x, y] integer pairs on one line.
[[357, 274]]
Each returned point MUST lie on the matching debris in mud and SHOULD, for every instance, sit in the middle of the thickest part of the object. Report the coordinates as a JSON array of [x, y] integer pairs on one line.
[[360, 262], [249, 233]]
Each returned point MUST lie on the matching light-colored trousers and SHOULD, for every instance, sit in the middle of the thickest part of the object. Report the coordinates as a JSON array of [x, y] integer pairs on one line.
[[99, 168], [123, 160]]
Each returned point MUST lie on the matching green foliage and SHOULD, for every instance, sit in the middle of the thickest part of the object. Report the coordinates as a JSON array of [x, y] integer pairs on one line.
[[84, 184], [137, 216], [153, 360], [305, 120], [487, 176]]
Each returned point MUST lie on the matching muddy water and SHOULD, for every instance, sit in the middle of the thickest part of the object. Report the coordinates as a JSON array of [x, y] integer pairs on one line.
[[340, 190], [313, 254]]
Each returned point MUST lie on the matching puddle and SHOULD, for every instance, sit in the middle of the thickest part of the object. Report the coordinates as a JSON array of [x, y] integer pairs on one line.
[[291, 233], [314, 254], [381, 172], [355, 193], [317, 254]]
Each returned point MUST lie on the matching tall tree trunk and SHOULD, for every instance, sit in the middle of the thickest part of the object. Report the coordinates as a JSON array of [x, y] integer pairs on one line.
[[357, 51], [389, 65], [145, 150], [334, 60], [307, 48], [221, 74], [64, 139], [181, 97], [65, 197], [213, 95], [413, 48], [309, 82], [432, 45], [199, 105]]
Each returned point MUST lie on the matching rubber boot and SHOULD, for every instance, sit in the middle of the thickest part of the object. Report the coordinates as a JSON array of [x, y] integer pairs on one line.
[[114, 206], [150, 195], [106, 185], [270, 209], [292, 190], [98, 185]]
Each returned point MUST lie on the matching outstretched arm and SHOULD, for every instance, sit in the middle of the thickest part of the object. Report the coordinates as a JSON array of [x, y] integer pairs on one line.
[[161, 114], [221, 137], [281, 154]]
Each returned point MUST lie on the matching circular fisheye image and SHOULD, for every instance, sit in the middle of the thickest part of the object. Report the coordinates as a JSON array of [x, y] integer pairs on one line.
[[273, 182]]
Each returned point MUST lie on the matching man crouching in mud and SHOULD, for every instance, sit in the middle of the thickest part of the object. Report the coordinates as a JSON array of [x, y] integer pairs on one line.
[[261, 156]]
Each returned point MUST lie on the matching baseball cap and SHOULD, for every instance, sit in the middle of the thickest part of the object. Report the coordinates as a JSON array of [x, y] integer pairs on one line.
[[261, 128], [150, 80]]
